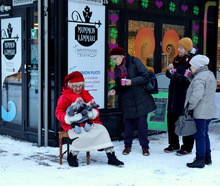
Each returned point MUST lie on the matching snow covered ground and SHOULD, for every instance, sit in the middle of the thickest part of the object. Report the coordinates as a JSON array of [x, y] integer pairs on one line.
[[23, 163]]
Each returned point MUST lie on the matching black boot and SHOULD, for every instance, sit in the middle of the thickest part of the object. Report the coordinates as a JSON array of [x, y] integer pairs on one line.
[[199, 162], [112, 160], [208, 160], [72, 160]]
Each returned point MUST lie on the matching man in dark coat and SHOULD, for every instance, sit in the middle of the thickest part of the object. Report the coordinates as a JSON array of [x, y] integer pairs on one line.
[[135, 101]]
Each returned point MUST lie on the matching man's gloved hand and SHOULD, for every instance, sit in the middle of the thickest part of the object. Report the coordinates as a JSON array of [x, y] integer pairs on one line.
[[84, 112], [70, 111]]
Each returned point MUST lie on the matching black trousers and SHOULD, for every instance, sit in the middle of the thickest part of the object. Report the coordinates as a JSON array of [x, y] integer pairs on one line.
[[173, 139]]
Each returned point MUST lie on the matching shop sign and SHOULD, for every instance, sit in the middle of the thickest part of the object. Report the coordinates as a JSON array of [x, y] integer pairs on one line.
[[21, 2], [86, 35], [90, 1], [86, 45]]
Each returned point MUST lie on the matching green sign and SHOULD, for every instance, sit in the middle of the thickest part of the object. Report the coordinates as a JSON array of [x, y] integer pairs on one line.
[[33, 33], [157, 120]]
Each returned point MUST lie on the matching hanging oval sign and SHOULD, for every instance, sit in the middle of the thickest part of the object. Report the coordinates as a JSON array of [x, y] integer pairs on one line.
[[86, 35], [9, 49]]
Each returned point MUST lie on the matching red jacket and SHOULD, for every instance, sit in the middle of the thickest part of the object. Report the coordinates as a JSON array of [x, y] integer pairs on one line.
[[65, 100]]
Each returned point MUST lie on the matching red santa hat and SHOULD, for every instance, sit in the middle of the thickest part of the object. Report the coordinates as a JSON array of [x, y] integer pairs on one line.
[[74, 77]]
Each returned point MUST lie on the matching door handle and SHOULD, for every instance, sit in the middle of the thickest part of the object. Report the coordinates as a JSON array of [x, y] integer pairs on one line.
[[164, 54], [27, 68]]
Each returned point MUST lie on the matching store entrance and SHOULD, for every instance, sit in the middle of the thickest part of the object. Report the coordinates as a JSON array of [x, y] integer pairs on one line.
[[19, 72], [154, 42]]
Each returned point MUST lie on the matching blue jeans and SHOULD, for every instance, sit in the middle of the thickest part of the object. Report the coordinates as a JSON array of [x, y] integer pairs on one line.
[[202, 138], [142, 131]]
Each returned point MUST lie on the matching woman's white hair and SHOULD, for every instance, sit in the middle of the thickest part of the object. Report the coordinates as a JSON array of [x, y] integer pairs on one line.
[[72, 84]]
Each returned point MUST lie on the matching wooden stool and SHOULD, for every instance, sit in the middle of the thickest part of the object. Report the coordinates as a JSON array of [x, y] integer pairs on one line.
[[64, 134]]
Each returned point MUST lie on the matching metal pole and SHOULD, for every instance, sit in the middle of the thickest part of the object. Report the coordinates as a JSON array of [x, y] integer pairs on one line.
[[46, 72], [39, 74]]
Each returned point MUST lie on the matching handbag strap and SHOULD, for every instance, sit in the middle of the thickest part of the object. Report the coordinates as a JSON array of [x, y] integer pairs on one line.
[[186, 109]]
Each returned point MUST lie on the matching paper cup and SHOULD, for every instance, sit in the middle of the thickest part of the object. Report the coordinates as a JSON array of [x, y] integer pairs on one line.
[[187, 72], [173, 71], [123, 81]]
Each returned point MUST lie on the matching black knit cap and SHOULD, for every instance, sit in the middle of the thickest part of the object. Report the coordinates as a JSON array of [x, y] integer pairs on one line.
[[117, 51]]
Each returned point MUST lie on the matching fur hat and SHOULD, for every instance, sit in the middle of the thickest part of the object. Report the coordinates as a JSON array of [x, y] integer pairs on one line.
[[186, 43], [74, 77], [117, 51], [199, 61]]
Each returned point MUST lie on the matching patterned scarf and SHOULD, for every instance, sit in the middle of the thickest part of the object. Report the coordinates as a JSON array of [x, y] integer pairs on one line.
[[182, 60], [122, 69]]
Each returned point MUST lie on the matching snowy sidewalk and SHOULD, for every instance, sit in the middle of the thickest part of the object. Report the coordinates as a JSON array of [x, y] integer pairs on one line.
[[23, 163]]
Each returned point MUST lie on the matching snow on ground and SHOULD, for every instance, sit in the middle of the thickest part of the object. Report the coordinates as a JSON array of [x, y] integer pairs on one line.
[[23, 163]]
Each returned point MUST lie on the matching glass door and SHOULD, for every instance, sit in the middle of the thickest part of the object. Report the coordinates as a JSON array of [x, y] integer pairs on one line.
[[12, 61], [32, 68]]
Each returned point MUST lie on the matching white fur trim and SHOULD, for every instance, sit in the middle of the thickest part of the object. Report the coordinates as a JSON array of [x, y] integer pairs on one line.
[[90, 114], [94, 113], [78, 100], [67, 119], [76, 117]]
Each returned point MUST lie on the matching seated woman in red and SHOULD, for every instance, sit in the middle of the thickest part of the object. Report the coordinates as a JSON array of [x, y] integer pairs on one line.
[[97, 137]]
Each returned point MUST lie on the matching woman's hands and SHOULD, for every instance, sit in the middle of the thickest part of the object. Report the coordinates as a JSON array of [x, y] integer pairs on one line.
[[112, 92], [128, 82]]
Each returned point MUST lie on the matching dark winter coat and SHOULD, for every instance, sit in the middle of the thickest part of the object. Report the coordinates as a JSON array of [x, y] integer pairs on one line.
[[134, 99], [178, 85]]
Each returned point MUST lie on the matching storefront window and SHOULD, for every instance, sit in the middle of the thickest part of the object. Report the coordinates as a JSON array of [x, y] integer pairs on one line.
[[171, 34], [141, 42], [112, 42]]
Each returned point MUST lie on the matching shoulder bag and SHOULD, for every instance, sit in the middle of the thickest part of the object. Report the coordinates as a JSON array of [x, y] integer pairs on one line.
[[185, 125], [151, 86]]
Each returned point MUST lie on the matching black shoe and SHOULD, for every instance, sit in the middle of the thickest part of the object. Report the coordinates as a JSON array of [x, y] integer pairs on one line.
[[170, 149], [112, 160], [208, 160], [183, 152], [199, 162], [72, 160]]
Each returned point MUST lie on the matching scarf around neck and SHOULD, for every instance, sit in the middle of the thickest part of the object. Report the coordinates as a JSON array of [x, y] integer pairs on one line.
[[123, 73], [182, 60]]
